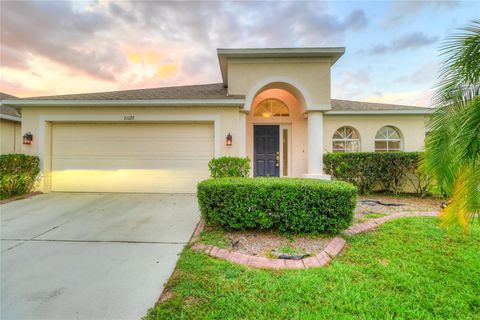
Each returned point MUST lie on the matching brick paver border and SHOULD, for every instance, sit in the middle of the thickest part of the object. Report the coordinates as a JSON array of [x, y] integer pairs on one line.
[[335, 246]]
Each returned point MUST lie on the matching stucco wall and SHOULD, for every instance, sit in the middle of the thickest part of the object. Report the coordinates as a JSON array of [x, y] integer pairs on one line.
[[37, 120], [412, 129], [311, 75], [10, 137]]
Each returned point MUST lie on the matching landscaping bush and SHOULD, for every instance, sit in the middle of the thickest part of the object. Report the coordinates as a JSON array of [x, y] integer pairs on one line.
[[18, 174], [225, 167], [366, 170], [285, 204]]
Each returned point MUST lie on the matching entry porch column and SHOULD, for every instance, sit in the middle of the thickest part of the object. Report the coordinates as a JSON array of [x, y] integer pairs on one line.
[[315, 146]]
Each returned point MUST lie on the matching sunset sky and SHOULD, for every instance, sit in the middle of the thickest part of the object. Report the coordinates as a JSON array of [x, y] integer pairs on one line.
[[64, 47]]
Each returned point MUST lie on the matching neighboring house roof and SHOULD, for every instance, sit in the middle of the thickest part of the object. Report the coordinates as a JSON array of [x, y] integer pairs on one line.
[[6, 112], [205, 94]]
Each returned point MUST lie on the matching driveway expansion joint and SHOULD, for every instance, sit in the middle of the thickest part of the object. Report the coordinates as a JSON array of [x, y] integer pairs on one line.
[[94, 241]]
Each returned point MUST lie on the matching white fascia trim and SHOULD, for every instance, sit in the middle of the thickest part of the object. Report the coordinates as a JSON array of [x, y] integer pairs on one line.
[[127, 103], [379, 112], [11, 118]]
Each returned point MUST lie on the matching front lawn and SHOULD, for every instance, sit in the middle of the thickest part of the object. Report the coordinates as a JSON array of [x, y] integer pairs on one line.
[[408, 269]]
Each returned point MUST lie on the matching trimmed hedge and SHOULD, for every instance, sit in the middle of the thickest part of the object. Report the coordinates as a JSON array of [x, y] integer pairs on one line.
[[286, 204], [18, 174], [224, 167], [367, 170]]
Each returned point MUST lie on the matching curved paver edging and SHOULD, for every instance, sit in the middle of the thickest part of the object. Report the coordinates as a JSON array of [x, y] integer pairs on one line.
[[335, 246]]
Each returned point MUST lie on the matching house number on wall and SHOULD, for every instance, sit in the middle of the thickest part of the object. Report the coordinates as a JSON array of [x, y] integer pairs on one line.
[[128, 118]]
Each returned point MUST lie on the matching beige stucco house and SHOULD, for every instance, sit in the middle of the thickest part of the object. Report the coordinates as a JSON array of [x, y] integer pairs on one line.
[[10, 127], [273, 106]]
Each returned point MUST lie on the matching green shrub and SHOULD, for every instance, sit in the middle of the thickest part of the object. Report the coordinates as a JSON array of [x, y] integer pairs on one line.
[[225, 167], [18, 174], [286, 204], [366, 170]]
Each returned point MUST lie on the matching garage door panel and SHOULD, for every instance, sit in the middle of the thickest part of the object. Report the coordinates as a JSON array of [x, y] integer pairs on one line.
[[111, 164], [131, 148], [130, 157]]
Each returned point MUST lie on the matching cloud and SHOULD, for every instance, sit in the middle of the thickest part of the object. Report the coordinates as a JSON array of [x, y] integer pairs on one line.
[[404, 11], [118, 11], [95, 39], [413, 98], [56, 31], [408, 41], [427, 73], [351, 84]]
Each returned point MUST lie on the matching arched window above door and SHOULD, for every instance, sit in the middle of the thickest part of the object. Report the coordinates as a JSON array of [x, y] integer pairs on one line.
[[271, 108]]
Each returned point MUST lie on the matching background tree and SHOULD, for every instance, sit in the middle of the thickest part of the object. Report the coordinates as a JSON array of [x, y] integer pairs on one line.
[[452, 154]]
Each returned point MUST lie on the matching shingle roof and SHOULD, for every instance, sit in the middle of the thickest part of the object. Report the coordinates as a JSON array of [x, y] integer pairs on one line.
[[347, 105], [4, 96], [203, 91], [8, 111]]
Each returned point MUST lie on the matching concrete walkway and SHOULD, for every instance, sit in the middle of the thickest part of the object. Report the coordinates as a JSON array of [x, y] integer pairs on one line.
[[90, 256]]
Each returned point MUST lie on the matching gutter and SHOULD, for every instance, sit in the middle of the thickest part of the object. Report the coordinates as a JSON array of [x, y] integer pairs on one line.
[[124, 103], [9, 117]]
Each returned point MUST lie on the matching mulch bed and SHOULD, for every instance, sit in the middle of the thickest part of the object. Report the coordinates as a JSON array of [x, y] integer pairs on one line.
[[401, 204], [269, 243]]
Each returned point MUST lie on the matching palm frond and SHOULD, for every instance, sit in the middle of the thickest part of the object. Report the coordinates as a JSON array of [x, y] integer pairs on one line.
[[452, 153]]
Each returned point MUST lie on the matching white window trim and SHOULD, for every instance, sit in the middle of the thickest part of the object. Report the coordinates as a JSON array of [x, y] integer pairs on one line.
[[387, 140], [346, 140]]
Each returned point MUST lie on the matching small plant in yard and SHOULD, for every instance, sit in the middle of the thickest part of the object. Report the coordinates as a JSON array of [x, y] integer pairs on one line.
[[18, 174], [288, 249], [224, 167], [374, 215], [285, 204]]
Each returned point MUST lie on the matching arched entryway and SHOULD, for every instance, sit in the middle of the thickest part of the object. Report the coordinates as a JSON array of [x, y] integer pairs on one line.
[[277, 132]]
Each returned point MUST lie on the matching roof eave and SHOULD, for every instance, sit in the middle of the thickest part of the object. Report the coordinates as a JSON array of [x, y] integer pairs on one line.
[[11, 118], [128, 103]]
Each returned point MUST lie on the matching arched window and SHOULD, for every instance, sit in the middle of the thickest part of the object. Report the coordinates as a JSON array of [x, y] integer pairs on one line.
[[346, 139], [271, 108], [388, 139]]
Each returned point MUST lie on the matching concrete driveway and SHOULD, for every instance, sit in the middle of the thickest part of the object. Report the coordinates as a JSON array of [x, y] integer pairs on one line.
[[90, 256]]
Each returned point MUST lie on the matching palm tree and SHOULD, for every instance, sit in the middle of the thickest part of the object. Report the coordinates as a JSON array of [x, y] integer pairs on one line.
[[452, 153]]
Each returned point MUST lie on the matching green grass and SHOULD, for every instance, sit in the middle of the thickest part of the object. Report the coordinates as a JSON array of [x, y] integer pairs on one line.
[[374, 215], [215, 238], [409, 269], [288, 249]]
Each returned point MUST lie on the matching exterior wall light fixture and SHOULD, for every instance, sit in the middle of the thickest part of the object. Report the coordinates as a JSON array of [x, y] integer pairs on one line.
[[229, 140], [27, 138]]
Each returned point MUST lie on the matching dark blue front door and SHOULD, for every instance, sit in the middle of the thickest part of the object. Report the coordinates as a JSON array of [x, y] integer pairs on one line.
[[266, 154]]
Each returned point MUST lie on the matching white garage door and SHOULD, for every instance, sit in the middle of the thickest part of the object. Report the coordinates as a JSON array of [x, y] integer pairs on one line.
[[140, 157]]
